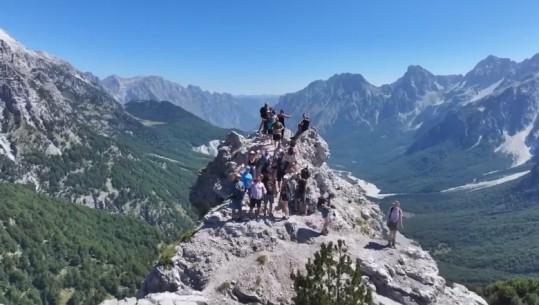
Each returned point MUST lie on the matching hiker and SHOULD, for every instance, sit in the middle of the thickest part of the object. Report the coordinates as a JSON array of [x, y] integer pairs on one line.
[[253, 163], [290, 157], [269, 198], [281, 118], [302, 126], [279, 168], [270, 121], [265, 163], [394, 219], [325, 207], [278, 130], [263, 114], [247, 178], [283, 200], [258, 190], [300, 203], [237, 197]]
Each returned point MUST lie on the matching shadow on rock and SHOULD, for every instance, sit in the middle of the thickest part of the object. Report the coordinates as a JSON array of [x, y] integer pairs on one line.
[[375, 246], [305, 235]]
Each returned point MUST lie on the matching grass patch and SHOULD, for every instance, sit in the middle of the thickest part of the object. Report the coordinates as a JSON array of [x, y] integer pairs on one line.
[[187, 235], [223, 287], [165, 257], [262, 259]]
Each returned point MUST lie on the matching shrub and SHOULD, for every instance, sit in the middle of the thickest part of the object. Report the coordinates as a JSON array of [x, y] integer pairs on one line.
[[331, 279]]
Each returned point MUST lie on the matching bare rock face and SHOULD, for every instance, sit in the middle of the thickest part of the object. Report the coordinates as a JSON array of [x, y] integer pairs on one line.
[[250, 262]]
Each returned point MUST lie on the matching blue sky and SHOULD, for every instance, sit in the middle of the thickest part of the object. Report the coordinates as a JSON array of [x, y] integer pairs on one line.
[[255, 47]]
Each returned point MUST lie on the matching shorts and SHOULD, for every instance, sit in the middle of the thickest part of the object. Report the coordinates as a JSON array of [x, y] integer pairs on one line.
[[392, 225], [255, 202], [276, 137], [284, 196], [235, 204], [280, 175], [269, 199], [325, 212]]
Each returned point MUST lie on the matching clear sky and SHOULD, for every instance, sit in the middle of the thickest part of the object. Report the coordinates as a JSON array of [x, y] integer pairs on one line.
[[273, 46]]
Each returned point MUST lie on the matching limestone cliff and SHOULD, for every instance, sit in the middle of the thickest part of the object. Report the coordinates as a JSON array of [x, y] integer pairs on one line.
[[250, 262]]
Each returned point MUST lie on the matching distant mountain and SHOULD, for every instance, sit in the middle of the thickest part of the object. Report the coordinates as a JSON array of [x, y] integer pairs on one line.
[[65, 136], [424, 131], [221, 109]]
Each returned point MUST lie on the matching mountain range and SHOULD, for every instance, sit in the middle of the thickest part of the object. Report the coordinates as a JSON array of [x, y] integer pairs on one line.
[[426, 132], [221, 109]]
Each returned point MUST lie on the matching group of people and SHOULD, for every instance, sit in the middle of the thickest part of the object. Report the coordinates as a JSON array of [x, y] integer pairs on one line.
[[273, 124], [273, 180]]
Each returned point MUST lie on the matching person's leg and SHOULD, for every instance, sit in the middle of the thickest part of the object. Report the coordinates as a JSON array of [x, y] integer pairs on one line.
[[326, 225], [285, 208], [258, 204], [251, 206], [270, 210]]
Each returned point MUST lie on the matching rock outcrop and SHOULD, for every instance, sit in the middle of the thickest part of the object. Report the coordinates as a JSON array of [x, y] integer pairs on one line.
[[250, 262]]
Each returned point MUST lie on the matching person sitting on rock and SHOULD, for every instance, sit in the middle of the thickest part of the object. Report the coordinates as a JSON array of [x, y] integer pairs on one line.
[[302, 126], [271, 191], [394, 219], [237, 197], [324, 204], [258, 190]]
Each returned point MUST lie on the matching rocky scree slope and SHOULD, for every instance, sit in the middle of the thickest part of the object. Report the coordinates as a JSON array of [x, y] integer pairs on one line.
[[226, 262]]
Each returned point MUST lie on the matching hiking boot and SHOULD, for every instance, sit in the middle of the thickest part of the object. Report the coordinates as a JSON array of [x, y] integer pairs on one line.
[[324, 232]]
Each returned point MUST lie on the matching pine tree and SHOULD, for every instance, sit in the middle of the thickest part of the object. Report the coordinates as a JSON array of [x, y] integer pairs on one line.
[[331, 279]]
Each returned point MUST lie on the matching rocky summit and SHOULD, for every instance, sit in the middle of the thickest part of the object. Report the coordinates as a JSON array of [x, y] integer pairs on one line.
[[250, 262]]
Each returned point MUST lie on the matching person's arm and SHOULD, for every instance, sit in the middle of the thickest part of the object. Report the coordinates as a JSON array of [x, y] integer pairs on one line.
[[400, 219]]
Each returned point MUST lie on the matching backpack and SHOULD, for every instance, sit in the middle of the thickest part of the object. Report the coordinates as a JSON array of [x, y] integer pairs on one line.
[[305, 174], [389, 216], [263, 112]]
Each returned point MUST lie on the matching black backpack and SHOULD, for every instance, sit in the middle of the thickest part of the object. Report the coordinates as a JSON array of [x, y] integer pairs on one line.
[[305, 174]]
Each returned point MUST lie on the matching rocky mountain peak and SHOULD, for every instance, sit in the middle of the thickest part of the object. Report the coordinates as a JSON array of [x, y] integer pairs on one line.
[[491, 70], [226, 262]]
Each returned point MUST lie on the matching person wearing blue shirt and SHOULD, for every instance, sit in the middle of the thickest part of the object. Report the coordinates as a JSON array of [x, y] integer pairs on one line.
[[247, 178]]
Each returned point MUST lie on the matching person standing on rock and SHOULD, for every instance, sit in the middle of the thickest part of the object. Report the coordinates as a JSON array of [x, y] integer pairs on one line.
[[281, 117], [325, 207], [301, 206], [283, 199], [394, 219], [258, 190], [269, 197], [279, 168], [247, 178], [263, 116], [237, 198], [278, 130]]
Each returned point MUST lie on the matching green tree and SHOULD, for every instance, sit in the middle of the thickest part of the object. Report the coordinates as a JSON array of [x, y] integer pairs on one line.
[[331, 279]]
